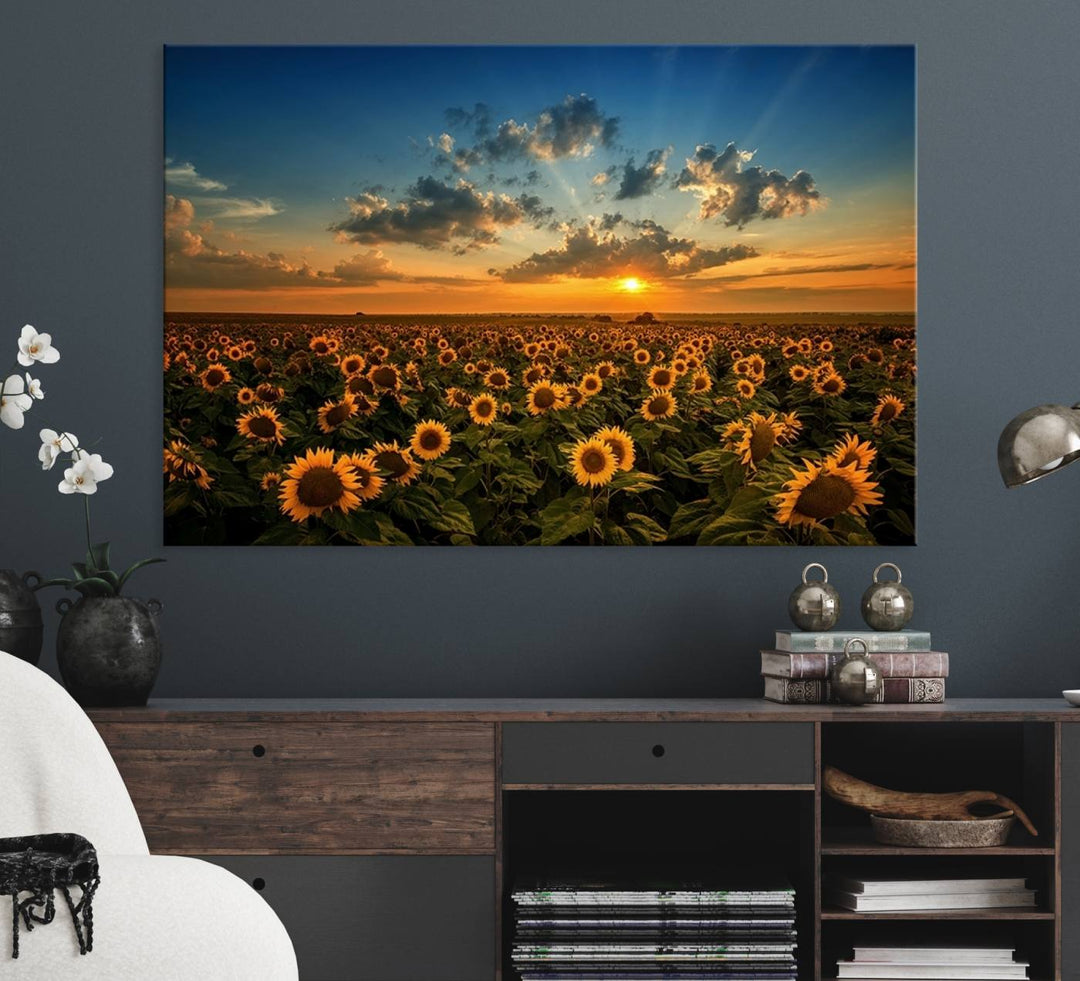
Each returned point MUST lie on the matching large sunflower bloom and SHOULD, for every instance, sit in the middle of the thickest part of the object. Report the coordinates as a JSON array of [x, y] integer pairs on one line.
[[831, 384], [214, 377], [659, 405], [853, 450], [182, 462], [316, 483], [482, 409], [823, 491], [544, 397], [261, 425], [887, 409], [590, 384], [760, 435], [334, 414], [367, 476], [430, 440], [621, 445], [394, 460], [592, 462], [661, 378]]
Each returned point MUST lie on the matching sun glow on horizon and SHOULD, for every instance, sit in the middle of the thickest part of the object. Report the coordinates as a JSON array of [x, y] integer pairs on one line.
[[631, 284]]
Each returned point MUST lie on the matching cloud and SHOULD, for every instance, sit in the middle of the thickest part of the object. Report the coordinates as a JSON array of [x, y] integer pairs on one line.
[[571, 128], [596, 251], [446, 142], [600, 179], [436, 215], [184, 175], [363, 268], [811, 270], [243, 208], [728, 189], [639, 182]]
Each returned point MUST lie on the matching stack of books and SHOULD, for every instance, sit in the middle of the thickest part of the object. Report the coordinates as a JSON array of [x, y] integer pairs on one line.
[[797, 669], [903, 894], [579, 931], [939, 963]]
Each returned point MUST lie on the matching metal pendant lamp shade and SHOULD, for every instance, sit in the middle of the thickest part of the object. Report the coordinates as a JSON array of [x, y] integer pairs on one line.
[[1037, 442]]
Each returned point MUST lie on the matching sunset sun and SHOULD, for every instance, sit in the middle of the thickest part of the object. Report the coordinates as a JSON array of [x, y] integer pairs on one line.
[[631, 284]]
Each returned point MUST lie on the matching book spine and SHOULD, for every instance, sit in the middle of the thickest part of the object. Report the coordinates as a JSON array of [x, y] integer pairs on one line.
[[832, 642], [816, 665], [895, 691]]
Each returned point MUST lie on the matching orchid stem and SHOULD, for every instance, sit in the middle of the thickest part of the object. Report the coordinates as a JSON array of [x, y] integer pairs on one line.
[[86, 501]]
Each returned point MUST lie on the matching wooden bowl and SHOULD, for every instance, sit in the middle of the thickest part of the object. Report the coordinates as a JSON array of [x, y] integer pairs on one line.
[[911, 832]]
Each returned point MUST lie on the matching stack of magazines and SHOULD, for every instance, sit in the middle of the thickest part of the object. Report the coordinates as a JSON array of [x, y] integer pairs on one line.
[[579, 931]]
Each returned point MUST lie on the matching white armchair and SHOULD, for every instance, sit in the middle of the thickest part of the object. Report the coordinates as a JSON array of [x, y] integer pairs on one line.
[[164, 918]]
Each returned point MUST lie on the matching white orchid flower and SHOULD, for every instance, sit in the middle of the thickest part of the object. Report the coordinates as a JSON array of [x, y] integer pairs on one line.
[[83, 476], [14, 402], [36, 347], [33, 387], [53, 444]]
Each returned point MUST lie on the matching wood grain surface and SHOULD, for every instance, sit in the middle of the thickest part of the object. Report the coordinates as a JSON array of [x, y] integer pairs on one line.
[[214, 787]]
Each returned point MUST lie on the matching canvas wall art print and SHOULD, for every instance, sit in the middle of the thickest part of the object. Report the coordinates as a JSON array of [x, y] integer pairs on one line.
[[588, 295]]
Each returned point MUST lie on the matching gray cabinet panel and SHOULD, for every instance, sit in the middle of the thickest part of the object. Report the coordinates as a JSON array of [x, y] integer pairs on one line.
[[381, 918], [658, 752], [1070, 851]]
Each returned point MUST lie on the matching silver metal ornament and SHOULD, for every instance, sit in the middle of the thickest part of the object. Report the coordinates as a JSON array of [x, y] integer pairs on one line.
[[887, 605], [856, 680], [814, 605]]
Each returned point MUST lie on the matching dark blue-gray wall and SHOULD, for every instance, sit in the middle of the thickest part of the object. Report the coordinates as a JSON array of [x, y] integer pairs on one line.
[[996, 574]]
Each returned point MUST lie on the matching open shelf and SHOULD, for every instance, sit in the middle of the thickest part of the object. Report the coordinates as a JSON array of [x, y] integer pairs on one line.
[[860, 841], [1003, 913]]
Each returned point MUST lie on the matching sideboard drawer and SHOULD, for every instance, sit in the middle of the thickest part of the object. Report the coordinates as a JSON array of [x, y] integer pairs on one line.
[[698, 753], [381, 917], [231, 788]]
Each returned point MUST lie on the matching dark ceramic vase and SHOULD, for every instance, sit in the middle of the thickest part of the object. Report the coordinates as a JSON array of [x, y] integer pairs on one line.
[[20, 616], [108, 649]]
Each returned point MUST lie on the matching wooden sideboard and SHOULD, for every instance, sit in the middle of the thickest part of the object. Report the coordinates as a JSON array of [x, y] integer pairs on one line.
[[387, 833]]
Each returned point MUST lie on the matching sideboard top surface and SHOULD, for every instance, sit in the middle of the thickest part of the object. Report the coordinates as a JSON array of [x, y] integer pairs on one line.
[[580, 710]]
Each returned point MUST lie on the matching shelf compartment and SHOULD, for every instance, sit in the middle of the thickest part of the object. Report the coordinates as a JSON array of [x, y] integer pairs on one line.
[[858, 841]]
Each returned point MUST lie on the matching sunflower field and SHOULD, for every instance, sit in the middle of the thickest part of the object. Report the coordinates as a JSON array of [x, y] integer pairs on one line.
[[521, 430]]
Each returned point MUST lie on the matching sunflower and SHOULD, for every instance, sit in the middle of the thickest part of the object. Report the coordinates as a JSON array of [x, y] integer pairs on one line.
[[544, 397], [805, 345], [182, 462], [320, 344], [823, 491], [792, 426], [358, 385], [447, 356], [887, 409], [798, 372], [367, 475], [458, 398], [660, 379], [245, 396], [659, 405], [621, 445], [316, 483], [831, 384], [746, 388], [430, 440], [641, 356], [385, 376], [826, 346], [592, 462], [605, 369], [482, 409], [271, 480], [497, 378], [352, 364], [334, 414], [394, 460], [853, 450], [261, 425], [364, 405], [590, 384], [269, 393], [701, 381], [760, 434], [214, 377]]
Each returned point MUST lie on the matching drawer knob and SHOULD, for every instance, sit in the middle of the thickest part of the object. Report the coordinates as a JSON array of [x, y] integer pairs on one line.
[[258, 883], [258, 750], [658, 751]]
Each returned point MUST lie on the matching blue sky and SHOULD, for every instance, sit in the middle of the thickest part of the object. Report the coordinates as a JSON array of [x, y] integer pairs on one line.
[[292, 161]]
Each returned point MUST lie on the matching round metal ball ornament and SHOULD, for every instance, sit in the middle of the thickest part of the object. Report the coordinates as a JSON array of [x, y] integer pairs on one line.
[[814, 605], [855, 679], [887, 605]]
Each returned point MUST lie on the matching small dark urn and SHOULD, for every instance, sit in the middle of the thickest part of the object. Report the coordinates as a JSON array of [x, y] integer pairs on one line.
[[21, 628], [108, 649]]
